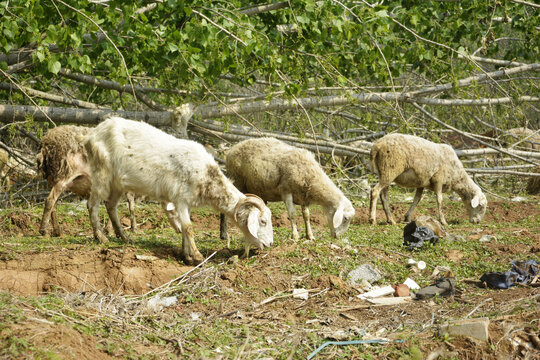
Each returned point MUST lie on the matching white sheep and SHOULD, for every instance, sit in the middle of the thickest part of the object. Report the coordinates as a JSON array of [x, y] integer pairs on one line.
[[4, 168], [126, 155], [62, 161], [276, 171], [414, 162]]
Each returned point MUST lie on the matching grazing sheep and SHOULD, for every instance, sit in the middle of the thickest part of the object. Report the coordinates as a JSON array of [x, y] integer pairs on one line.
[[4, 178], [527, 138], [126, 155], [62, 160], [276, 171], [414, 162]]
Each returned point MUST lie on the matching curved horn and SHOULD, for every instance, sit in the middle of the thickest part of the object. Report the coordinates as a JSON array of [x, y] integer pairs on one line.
[[250, 199]]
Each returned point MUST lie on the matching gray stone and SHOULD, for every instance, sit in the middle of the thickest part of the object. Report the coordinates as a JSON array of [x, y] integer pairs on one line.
[[454, 238], [363, 272], [474, 328]]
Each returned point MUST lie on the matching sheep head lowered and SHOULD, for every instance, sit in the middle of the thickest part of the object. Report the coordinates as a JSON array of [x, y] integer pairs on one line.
[[341, 218], [255, 220], [476, 205]]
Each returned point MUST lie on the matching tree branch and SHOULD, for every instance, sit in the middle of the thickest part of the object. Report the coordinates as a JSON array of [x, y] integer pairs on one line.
[[50, 97], [257, 9], [501, 150]]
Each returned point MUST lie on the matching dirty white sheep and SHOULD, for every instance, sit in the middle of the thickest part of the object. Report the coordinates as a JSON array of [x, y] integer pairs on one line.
[[131, 156], [62, 161], [413, 162], [276, 171]]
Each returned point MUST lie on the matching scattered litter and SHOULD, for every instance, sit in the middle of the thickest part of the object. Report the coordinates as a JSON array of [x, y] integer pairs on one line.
[[420, 265], [475, 328], [519, 199], [444, 286], [487, 238], [157, 303], [342, 334], [389, 301], [146, 257], [411, 284], [195, 316], [523, 272], [438, 271], [415, 236], [352, 342], [300, 294], [402, 290], [387, 290], [363, 272], [365, 285]]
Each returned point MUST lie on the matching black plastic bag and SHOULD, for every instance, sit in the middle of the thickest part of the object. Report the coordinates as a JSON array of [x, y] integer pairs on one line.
[[522, 272], [415, 236]]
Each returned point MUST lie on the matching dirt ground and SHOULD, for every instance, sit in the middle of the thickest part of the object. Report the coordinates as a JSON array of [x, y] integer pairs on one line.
[[125, 271]]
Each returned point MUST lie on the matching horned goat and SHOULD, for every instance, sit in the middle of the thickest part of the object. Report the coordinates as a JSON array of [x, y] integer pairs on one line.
[[126, 155], [276, 171], [63, 162], [414, 162]]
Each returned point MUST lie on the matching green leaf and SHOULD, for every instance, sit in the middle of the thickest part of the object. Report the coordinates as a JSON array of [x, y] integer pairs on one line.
[[54, 66]]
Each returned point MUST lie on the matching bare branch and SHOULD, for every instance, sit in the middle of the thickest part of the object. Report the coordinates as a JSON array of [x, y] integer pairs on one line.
[[257, 9], [526, 3], [50, 97]]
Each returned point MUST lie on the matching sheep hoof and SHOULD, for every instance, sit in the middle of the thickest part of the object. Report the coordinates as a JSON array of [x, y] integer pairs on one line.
[[196, 259], [45, 232], [373, 221], [100, 238]]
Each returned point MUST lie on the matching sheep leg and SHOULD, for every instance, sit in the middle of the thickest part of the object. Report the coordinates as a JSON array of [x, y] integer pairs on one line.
[[189, 249], [57, 231], [288, 199], [438, 192], [417, 198], [224, 229], [131, 205], [50, 207], [375, 191], [386, 207], [93, 210], [305, 215], [112, 209]]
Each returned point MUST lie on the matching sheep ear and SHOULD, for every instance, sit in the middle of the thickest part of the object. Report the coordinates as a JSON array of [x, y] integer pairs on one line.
[[338, 217], [253, 223], [475, 201]]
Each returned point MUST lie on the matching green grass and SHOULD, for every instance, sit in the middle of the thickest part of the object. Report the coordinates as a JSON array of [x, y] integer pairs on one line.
[[381, 246]]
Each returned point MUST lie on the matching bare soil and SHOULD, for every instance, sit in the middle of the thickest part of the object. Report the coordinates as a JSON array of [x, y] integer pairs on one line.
[[123, 271]]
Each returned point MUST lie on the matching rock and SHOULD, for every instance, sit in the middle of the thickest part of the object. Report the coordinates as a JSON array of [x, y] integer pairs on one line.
[[454, 238], [363, 272], [487, 238], [474, 328]]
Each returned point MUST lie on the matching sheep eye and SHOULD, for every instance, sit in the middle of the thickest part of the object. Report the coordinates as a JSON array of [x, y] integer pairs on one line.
[[263, 221]]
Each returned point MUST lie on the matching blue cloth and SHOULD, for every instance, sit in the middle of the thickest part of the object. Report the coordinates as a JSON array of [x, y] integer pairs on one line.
[[522, 272]]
